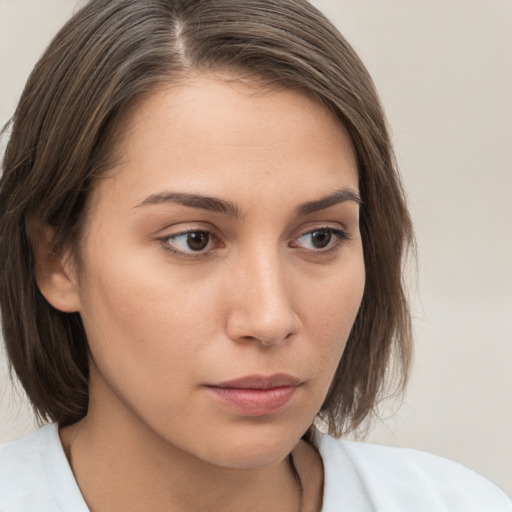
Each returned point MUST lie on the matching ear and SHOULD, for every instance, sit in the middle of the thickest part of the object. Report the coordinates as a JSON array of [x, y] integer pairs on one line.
[[54, 270]]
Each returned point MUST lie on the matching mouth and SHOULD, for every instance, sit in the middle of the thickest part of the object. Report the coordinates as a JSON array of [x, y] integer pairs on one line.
[[256, 395]]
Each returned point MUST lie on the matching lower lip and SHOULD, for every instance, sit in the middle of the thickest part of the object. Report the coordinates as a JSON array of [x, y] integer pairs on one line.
[[255, 402]]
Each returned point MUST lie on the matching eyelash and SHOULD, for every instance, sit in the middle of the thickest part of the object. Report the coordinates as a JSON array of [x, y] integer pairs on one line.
[[340, 236], [197, 254]]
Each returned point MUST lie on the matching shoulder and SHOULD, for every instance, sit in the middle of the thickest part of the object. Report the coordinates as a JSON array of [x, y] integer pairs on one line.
[[31, 469], [396, 479], [22, 479]]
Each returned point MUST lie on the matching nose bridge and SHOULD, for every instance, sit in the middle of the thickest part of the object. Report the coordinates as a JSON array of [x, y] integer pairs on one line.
[[261, 308]]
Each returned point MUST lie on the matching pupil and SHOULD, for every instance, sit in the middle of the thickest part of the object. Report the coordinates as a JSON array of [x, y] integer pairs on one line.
[[321, 239], [198, 240]]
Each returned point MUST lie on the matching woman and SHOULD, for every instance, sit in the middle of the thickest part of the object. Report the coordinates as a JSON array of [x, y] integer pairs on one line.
[[202, 233]]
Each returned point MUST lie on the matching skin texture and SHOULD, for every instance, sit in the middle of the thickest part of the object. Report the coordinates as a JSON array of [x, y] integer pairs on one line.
[[261, 298]]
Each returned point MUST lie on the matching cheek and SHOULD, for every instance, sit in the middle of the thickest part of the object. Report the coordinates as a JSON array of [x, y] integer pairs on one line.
[[144, 323], [331, 307]]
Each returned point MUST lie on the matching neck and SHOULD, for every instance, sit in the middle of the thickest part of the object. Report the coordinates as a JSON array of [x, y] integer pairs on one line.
[[122, 466]]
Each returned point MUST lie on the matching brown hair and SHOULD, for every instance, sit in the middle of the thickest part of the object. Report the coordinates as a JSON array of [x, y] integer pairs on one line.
[[111, 52]]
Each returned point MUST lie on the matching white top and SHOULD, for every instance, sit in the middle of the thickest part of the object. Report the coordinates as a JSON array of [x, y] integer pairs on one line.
[[358, 477]]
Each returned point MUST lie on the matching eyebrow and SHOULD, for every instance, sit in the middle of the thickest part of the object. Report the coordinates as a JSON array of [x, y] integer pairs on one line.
[[214, 204], [211, 204], [338, 196]]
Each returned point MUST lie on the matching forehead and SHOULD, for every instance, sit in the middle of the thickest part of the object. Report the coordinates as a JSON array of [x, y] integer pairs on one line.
[[214, 135]]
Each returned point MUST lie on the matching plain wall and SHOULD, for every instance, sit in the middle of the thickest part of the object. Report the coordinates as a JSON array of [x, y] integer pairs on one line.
[[444, 72]]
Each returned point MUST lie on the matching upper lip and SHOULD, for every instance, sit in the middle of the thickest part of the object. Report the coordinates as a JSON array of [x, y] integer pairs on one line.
[[279, 380]]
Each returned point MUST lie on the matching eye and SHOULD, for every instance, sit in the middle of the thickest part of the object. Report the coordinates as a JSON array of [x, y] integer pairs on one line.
[[189, 242], [321, 239]]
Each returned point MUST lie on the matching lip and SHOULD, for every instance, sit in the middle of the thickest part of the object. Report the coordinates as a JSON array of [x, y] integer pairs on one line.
[[256, 395]]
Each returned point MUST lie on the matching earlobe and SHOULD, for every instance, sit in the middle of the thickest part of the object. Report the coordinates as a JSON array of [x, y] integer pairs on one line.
[[54, 271]]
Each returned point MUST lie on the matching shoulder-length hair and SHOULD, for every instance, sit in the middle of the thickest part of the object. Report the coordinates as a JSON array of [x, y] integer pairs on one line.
[[62, 138]]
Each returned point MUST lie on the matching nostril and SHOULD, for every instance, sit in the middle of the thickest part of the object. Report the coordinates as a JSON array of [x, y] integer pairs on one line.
[[263, 333]]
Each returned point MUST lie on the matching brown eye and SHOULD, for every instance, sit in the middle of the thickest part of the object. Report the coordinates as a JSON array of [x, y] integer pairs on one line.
[[189, 242], [321, 238], [197, 240]]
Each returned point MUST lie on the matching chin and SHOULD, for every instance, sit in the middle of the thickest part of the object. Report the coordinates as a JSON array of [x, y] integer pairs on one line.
[[250, 459], [252, 448]]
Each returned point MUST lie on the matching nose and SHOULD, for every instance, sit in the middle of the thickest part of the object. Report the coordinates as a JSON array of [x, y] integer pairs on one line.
[[261, 305]]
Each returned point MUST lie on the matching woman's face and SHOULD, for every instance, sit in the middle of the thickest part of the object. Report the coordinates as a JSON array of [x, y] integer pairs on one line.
[[225, 246]]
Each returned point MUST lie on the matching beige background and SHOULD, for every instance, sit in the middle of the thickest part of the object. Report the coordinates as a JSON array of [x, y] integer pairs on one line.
[[444, 71]]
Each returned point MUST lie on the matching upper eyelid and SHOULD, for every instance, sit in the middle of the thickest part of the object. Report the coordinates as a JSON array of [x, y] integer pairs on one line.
[[188, 227], [187, 231], [298, 233], [326, 226], [336, 226]]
